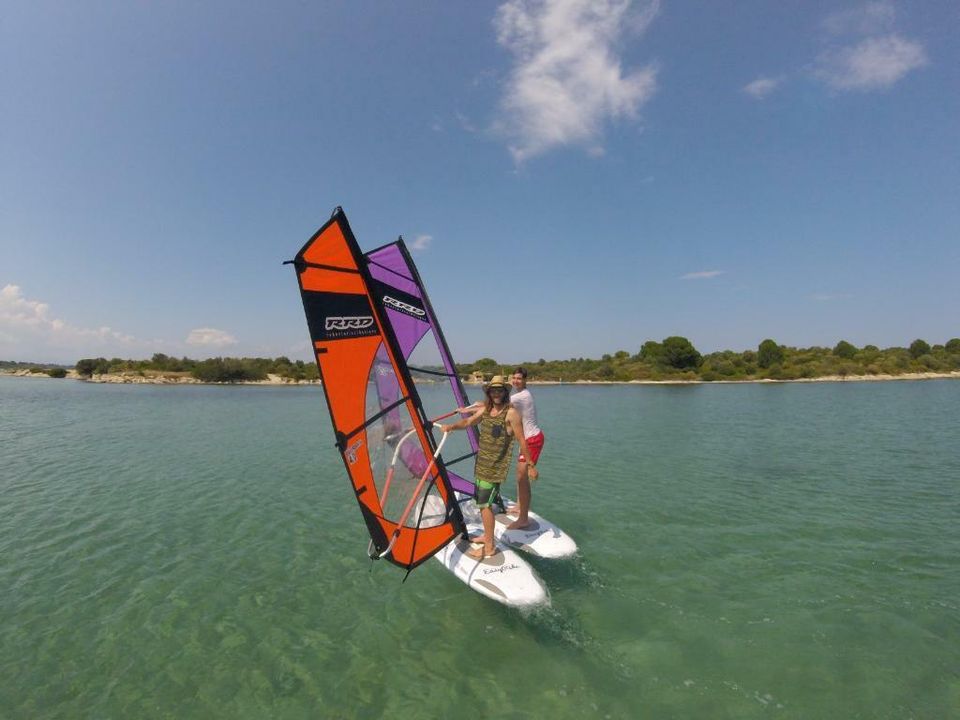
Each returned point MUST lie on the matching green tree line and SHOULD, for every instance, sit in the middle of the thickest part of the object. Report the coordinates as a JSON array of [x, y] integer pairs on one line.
[[675, 358], [218, 369]]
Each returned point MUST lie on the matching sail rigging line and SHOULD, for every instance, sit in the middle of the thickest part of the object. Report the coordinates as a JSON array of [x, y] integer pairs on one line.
[[373, 419], [390, 473], [370, 253], [441, 340], [413, 497], [469, 455], [391, 340], [431, 372], [399, 289], [354, 344], [389, 270], [445, 353], [396, 454], [304, 264]]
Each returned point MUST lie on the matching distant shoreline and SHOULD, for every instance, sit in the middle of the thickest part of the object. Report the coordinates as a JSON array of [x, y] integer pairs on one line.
[[278, 381], [156, 379], [955, 375]]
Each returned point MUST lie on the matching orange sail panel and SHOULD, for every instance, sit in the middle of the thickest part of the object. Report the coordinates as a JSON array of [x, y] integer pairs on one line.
[[409, 507]]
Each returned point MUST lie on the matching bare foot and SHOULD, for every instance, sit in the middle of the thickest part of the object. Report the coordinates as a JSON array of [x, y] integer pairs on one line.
[[475, 539], [519, 524], [480, 553]]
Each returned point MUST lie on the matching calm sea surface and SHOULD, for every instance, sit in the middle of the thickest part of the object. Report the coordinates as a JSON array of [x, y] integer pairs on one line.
[[747, 551]]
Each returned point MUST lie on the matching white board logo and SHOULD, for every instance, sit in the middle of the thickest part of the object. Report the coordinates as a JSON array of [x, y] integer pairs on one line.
[[501, 569], [405, 307], [352, 451], [347, 322]]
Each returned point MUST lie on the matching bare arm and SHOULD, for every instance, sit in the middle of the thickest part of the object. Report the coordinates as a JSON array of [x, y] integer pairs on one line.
[[513, 417], [464, 423]]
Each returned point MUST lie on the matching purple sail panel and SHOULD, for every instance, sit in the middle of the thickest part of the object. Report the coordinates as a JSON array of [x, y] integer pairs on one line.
[[409, 330], [387, 265], [411, 317], [392, 266]]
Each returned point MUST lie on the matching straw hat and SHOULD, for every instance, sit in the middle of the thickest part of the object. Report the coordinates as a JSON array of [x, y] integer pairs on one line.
[[496, 382]]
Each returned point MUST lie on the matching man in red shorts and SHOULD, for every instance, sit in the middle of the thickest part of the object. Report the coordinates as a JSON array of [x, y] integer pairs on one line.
[[522, 400]]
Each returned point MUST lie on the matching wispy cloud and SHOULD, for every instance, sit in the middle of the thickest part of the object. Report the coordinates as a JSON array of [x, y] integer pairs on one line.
[[866, 52], [761, 87], [568, 80], [830, 297], [702, 275], [421, 243], [867, 19], [210, 337], [872, 64], [27, 327], [862, 51]]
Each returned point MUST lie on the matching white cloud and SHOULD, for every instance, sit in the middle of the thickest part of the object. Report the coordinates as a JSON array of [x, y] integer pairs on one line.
[[421, 243], [702, 275], [867, 19], [210, 337], [872, 64], [28, 331], [865, 51], [17, 311], [862, 52], [567, 79], [761, 87]]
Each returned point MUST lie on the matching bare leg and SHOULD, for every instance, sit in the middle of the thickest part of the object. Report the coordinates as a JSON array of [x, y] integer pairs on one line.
[[489, 546], [523, 498]]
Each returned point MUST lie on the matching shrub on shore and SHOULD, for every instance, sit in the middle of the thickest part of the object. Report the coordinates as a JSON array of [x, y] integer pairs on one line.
[[675, 358], [210, 370]]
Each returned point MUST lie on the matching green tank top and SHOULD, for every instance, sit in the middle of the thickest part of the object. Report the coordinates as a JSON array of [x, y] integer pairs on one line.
[[493, 456]]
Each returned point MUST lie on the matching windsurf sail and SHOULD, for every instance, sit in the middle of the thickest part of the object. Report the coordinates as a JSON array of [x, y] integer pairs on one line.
[[399, 290], [409, 507]]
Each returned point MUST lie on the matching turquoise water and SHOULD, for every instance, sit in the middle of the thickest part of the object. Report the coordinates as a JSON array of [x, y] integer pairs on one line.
[[747, 551]]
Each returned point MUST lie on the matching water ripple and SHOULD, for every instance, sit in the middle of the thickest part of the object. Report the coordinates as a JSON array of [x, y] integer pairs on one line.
[[745, 551]]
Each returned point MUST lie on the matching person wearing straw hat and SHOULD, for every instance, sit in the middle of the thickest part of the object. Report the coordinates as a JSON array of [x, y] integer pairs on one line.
[[499, 424]]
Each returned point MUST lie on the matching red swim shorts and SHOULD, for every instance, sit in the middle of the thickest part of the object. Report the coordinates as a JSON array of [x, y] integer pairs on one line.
[[535, 445]]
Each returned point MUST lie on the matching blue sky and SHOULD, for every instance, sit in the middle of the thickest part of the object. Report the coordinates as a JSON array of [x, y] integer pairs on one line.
[[578, 177]]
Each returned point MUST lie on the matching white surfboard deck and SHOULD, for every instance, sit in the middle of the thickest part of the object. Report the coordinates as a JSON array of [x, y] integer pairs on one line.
[[540, 538], [504, 576]]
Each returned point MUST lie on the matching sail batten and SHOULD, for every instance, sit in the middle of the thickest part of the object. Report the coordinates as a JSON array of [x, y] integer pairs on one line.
[[401, 293], [372, 402]]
